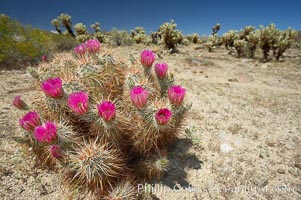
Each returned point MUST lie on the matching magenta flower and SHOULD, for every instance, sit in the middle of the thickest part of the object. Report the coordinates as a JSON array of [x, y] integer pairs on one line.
[[44, 58], [30, 121], [92, 46], [52, 87], [139, 96], [161, 70], [80, 49], [19, 103], [106, 110], [55, 151], [147, 58], [176, 95], [78, 102], [163, 116], [46, 132]]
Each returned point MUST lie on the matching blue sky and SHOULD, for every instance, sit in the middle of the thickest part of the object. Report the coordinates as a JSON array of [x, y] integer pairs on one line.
[[191, 15]]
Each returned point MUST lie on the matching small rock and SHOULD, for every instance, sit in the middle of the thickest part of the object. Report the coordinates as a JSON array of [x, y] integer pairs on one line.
[[232, 80], [294, 172], [225, 148], [298, 162], [260, 181], [281, 171]]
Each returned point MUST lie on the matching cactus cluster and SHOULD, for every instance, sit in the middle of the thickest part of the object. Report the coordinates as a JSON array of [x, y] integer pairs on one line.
[[267, 38], [104, 125]]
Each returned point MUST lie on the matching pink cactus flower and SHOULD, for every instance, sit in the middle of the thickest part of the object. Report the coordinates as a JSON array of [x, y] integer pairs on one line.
[[80, 50], [44, 58], [30, 121], [46, 133], [106, 110], [161, 70], [78, 102], [139, 96], [19, 103], [92, 46], [147, 58], [163, 116], [55, 151], [52, 87], [176, 95]]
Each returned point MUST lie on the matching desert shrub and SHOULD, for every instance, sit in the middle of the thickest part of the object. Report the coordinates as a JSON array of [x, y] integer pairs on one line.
[[23, 45], [120, 37], [62, 43], [97, 120]]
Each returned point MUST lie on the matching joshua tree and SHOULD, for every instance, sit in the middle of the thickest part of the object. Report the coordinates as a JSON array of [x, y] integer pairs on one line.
[[66, 21], [57, 24]]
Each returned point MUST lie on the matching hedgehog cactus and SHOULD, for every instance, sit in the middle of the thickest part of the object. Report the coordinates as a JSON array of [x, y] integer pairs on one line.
[[98, 121]]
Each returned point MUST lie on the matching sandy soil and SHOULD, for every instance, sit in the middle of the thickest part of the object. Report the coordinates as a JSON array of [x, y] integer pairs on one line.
[[241, 141]]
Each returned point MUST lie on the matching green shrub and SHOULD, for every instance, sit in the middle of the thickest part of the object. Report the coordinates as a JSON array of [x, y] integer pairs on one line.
[[120, 37], [23, 45]]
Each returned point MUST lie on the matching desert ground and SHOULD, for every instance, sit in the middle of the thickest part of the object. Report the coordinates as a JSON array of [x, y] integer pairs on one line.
[[241, 139]]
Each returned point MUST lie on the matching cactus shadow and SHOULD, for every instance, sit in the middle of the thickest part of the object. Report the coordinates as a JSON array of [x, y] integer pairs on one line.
[[181, 160]]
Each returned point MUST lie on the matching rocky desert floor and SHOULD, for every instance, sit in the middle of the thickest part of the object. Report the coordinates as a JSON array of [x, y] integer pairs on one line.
[[241, 140]]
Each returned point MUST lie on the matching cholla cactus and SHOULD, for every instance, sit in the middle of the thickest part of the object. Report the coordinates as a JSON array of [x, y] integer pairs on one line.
[[267, 39], [171, 37], [245, 32], [252, 41], [100, 121], [98, 34], [216, 28], [139, 35], [66, 21], [96, 27], [239, 46], [212, 42], [228, 38], [57, 24], [283, 42], [81, 32]]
